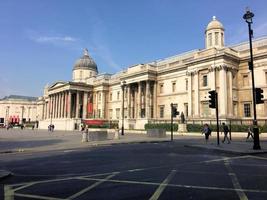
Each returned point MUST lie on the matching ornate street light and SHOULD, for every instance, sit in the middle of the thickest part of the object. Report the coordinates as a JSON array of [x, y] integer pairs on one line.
[[248, 17], [123, 84]]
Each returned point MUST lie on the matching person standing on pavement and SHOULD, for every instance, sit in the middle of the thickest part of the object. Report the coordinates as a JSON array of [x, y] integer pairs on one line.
[[225, 131], [250, 132], [207, 131]]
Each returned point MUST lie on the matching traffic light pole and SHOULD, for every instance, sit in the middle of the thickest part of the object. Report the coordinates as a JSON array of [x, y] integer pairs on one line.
[[217, 118], [213, 103], [171, 121], [256, 145]]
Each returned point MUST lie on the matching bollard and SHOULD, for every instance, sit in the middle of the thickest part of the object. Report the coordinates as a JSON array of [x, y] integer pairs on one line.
[[85, 137], [117, 134]]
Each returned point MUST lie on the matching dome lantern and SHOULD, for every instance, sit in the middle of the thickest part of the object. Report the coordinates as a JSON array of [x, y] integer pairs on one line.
[[214, 34]]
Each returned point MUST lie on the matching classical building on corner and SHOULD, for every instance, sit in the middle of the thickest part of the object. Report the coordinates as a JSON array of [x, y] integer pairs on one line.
[[150, 88]]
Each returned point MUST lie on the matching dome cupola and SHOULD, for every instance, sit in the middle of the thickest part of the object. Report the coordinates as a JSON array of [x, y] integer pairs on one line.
[[85, 62], [214, 34], [84, 68]]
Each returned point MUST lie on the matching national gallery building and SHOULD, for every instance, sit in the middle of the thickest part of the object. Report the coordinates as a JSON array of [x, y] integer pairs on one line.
[[150, 88]]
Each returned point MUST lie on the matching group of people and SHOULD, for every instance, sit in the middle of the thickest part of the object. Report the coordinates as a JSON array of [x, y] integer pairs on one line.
[[225, 129], [51, 127]]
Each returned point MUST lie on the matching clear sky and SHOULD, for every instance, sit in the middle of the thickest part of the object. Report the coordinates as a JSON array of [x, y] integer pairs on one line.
[[40, 40]]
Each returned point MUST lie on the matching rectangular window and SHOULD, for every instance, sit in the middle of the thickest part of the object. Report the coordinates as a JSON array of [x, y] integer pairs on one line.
[[205, 81], [161, 88], [110, 96], [266, 77], [117, 113], [245, 80], [247, 112], [222, 39], [173, 86], [161, 111], [118, 95], [216, 38], [110, 113]]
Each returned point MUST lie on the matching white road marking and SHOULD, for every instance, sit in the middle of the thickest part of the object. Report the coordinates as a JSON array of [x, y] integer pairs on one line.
[[226, 158], [22, 187], [240, 193], [181, 186], [258, 157], [92, 186], [37, 196], [9, 194], [162, 186]]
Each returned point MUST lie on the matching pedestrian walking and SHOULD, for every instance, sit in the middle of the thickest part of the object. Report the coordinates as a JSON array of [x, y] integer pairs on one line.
[[207, 131], [250, 133], [225, 131]]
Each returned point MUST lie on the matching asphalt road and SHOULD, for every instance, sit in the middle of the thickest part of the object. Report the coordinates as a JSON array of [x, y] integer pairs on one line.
[[134, 171]]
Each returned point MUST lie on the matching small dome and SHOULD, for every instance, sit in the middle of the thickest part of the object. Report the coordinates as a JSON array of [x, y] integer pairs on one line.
[[85, 62], [214, 24]]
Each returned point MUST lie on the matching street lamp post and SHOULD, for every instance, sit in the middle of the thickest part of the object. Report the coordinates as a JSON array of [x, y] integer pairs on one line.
[[123, 84], [248, 17]]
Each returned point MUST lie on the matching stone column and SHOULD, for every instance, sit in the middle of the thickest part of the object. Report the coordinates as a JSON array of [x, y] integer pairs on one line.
[[222, 98], [96, 105], [53, 106], [85, 101], [155, 100], [196, 93], [138, 101], [129, 101], [69, 114], [230, 89], [48, 114], [62, 104], [66, 104], [103, 104], [189, 93], [147, 99], [77, 104], [58, 105]]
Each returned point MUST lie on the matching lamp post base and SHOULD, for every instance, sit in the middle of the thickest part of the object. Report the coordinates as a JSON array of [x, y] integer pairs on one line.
[[256, 145]]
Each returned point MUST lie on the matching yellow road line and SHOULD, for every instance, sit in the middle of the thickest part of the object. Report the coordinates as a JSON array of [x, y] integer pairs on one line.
[[162, 186], [240, 193], [92, 186]]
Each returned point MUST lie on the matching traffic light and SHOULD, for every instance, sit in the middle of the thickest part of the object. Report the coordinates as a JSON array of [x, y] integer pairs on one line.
[[174, 111], [212, 100], [259, 95]]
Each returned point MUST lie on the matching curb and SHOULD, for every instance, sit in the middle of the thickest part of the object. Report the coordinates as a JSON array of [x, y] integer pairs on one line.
[[83, 147], [227, 150]]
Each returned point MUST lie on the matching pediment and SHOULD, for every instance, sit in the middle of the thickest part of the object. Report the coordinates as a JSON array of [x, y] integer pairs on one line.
[[57, 84]]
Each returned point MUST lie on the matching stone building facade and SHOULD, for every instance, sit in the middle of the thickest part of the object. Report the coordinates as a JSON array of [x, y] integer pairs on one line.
[[150, 88], [15, 109]]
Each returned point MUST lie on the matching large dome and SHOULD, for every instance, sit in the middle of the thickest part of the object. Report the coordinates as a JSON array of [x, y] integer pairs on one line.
[[214, 24], [85, 62]]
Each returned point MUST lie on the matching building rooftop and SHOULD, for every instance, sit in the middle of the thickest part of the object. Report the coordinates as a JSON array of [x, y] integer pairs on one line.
[[19, 97]]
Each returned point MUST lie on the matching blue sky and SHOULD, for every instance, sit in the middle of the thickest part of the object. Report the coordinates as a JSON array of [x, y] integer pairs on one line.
[[41, 39]]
